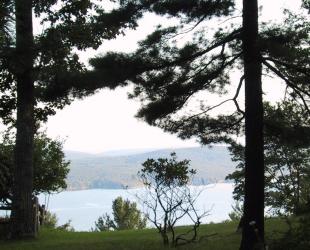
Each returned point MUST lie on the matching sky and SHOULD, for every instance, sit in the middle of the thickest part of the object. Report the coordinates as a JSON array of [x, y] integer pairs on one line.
[[105, 121]]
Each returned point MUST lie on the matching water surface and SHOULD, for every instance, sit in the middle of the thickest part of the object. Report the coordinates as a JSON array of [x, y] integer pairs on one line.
[[85, 206]]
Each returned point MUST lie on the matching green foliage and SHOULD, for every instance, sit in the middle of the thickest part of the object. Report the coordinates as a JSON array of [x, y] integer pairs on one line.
[[166, 172], [237, 212], [297, 238], [126, 216], [6, 181], [168, 198], [50, 166], [167, 74], [66, 227], [306, 4], [104, 223], [50, 220], [67, 26], [287, 159]]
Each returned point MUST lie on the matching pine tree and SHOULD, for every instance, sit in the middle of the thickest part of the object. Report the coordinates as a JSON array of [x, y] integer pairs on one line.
[[31, 63], [254, 154], [22, 206], [126, 216], [287, 159], [167, 75]]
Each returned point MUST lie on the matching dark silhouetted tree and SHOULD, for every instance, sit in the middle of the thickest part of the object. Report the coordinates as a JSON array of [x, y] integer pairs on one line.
[[168, 73], [287, 160], [50, 167], [32, 63]]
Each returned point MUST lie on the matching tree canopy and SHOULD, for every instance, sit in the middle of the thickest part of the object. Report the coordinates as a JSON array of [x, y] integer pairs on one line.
[[68, 27], [126, 216], [32, 62], [170, 74], [50, 166], [287, 159]]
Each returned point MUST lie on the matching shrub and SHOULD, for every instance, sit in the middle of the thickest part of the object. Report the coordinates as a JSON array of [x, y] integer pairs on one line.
[[126, 215]]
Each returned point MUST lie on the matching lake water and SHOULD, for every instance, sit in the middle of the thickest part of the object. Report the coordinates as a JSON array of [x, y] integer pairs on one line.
[[84, 207]]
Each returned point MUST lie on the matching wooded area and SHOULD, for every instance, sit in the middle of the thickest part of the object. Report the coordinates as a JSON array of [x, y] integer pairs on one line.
[[41, 73]]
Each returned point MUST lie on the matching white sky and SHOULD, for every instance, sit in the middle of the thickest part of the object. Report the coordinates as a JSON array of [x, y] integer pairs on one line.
[[105, 121]]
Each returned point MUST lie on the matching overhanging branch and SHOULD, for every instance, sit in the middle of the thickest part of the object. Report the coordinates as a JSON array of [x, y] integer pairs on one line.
[[299, 91], [288, 65]]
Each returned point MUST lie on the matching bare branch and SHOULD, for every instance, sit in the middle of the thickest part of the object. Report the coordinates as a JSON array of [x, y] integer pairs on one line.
[[237, 94], [228, 19], [191, 28]]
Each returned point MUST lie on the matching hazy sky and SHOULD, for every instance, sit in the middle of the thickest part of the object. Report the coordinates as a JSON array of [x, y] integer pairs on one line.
[[105, 121]]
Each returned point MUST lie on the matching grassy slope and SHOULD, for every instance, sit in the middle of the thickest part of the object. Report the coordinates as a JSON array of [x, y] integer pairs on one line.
[[225, 239]]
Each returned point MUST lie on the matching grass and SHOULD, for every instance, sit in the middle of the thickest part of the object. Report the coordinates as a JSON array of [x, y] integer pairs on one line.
[[225, 238]]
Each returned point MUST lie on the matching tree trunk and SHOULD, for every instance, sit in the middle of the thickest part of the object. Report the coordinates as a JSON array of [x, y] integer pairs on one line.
[[22, 206], [297, 192], [253, 235], [165, 238]]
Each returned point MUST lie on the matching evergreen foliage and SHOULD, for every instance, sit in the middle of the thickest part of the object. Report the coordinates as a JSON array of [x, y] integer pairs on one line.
[[287, 159], [68, 27], [126, 216], [168, 75], [32, 63]]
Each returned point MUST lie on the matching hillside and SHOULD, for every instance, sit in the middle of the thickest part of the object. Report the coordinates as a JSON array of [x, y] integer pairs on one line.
[[89, 171]]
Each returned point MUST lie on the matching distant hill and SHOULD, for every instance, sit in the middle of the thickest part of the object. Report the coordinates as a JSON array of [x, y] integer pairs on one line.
[[89, 171]]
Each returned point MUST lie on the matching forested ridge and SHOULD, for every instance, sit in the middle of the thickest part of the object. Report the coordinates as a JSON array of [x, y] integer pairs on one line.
[[89, 171]]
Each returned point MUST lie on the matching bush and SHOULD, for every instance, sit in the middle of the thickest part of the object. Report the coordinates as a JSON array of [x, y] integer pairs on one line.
[[297, 238], [168, 198], [237, 212], [126, 215], [51, 221]]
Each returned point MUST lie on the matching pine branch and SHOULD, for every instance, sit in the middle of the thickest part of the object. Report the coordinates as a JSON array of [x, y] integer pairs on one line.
[[288, 65], [299, 91], [234, 99]]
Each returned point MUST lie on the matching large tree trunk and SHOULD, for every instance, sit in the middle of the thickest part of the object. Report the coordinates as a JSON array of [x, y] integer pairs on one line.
[[253, 235], [22, 206]]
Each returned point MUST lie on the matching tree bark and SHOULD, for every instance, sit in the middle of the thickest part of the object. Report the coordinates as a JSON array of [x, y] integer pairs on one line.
[[22, 207], [253, 235]]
